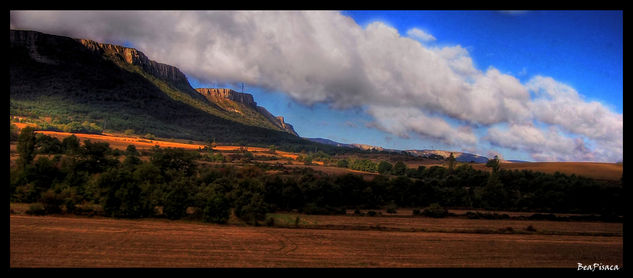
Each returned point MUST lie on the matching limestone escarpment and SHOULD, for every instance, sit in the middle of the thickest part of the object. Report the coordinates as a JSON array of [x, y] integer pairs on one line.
[[216, 95], [278, 121], [172, 75], [123, 85], [210, 93]]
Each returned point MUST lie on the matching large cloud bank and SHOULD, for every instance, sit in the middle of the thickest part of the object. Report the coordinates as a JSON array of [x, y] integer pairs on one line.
[[408, 88]]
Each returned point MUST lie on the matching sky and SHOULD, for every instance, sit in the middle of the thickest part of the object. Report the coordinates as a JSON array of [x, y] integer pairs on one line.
[[524, 85]]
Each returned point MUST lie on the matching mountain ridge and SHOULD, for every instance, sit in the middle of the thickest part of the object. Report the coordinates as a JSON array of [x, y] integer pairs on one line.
[[76, 80]]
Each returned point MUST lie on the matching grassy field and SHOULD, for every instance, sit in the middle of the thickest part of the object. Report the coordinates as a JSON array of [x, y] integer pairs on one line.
[[52, 241]]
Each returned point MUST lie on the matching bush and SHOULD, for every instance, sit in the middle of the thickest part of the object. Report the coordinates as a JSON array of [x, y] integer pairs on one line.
[[391, 208], [416, 212], [435, 210], [52, 202], [270, 221], [342, 163], [36, 209]]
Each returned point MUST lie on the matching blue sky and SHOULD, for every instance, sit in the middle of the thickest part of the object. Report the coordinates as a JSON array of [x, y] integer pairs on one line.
[[528, 85]]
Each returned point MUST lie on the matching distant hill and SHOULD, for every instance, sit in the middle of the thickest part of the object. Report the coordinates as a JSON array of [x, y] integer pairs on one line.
[[76, 81], [329, 142], [459, 156], [363, 147]]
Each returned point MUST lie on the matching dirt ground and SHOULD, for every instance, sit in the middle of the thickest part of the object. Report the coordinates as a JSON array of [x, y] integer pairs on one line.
[[52, 241]]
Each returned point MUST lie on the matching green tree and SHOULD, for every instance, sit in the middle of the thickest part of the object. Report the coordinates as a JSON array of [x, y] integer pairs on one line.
[[71, 145], [47, 145], [13, 133], [251, 207], [217, 208], [177, 199], [451, 163], [384, 167], [494, 164], [399, 169], [343, 163], [174, 162], [26, 146], [94, 156], [131, 150], [494, 195]]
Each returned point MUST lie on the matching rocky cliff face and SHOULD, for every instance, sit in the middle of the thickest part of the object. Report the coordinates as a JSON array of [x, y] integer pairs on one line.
[[172, 75], [52, 70], [210, 93], [29, 40], [214, 95], [278, 121]]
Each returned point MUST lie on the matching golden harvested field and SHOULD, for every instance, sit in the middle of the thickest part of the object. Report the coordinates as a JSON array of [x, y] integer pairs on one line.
[[51, 241], [121, 142], [595, 170]]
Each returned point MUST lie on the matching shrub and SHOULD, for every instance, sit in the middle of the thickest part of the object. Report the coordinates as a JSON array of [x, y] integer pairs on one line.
[[36, 209], [435, 210], [391, 208], [416, 212], [342, 163], [52, 202], [297, 221], [270, 221]]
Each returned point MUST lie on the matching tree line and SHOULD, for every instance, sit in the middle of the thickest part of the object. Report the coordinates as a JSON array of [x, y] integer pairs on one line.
[[166, 182]]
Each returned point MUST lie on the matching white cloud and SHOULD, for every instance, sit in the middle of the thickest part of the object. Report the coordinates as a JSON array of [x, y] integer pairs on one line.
[[325, 57], [420, 35], [403, 120], [549, 144]]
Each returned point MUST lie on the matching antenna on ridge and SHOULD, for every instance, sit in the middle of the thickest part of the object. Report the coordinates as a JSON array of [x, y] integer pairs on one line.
[[242, 87]]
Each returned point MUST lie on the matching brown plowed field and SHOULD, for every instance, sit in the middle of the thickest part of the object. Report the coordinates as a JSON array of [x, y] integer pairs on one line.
[[101, 242]]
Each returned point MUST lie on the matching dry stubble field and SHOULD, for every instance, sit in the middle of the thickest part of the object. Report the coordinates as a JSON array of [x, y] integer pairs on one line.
[[52, 241]]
